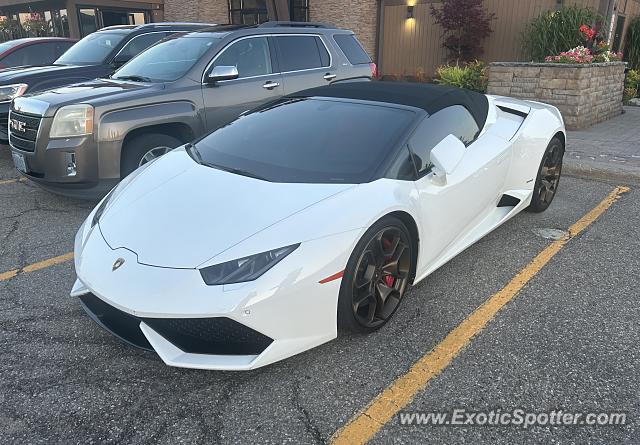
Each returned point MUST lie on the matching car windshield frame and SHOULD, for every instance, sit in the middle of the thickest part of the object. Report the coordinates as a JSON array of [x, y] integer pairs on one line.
[[366, 136], [120, 36]]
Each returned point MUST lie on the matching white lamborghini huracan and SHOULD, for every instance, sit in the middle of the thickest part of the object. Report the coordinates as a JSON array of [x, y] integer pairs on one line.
[[308, 216]]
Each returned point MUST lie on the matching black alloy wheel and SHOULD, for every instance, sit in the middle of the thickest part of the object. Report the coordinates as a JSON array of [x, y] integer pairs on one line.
[[548, 178], [374, 284]]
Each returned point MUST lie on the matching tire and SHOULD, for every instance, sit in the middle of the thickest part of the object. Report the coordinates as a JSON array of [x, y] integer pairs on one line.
[[134, 152], [362, 306], [548, 178]]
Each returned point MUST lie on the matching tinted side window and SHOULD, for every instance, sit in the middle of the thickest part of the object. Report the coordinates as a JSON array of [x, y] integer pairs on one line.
[[61, 47], [352, 49], [40, 54], [138, 44], [402, 168], [455, 120], [250, 56], [300, 53]]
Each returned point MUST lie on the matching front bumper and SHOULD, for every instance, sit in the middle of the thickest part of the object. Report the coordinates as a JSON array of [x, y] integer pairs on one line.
[[70, 166], [189, 324]]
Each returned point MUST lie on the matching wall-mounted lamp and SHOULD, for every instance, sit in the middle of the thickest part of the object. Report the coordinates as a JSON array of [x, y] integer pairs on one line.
[[410, 12]]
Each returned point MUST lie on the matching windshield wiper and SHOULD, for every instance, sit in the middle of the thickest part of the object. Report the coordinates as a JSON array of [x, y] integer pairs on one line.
[[237, 171], [134, 78]]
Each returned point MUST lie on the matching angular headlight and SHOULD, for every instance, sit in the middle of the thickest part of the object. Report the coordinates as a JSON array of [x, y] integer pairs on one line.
[[72, 120], [245, 269], [9, 92]]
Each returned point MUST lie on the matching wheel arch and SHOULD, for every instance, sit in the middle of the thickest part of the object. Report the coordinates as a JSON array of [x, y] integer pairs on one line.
[[179, 130], [412, 226]]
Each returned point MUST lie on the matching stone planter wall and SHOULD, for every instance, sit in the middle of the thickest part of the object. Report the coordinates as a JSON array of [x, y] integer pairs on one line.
[[585, 94]]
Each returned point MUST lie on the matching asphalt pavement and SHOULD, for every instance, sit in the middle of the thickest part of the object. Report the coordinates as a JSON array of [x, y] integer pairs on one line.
[[567, 340]]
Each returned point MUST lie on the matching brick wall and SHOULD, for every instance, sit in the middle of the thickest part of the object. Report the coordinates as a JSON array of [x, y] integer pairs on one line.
[[360, 16], [584, 94], [214, 11]]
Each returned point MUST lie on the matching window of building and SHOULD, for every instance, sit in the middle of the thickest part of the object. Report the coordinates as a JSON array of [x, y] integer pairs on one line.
[[248, 12], [88, 21], [299, 10], [455, 120], [301, 53]]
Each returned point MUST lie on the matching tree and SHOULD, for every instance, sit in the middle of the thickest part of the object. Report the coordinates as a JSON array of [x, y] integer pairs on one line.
[[466, 23]]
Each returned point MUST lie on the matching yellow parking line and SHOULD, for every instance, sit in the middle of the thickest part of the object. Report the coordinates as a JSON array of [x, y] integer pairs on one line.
[[12, 181], [36, 266], [361, 428]]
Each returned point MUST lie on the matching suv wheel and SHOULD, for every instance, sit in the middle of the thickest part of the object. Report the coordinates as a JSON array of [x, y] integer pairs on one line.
[[145, 148]]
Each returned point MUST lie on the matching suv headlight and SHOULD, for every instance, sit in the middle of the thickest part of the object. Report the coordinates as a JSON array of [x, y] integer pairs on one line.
[[10, 92], [72, 120], [245, 269]]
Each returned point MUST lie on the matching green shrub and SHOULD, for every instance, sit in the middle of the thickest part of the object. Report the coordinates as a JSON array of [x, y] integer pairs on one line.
[[555, 31], [472, 76], [632, 44], [631, 85]]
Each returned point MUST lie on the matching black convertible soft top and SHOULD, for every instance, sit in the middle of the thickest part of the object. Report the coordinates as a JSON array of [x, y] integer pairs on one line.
[[429, 97]]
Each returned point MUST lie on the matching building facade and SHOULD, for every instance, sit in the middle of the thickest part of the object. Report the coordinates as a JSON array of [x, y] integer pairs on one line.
[[403, 44], [73, 18]]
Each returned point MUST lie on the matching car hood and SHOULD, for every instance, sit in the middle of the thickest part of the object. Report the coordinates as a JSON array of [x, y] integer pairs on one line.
[[48, 102], [23, 72], [179, 214]]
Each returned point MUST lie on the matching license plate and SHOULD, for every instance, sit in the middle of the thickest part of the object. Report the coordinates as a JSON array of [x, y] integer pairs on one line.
[[18, 161]]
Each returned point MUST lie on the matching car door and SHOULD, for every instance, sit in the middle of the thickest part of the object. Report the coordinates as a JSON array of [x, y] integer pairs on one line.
[[304, 61], [258, 80], [450, 209]]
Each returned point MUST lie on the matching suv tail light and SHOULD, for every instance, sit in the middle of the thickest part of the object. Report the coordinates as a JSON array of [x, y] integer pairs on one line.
[[374, 70]]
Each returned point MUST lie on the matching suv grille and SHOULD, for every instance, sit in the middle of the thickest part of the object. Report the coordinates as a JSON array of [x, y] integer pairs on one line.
[[23, 130], [218, 335]]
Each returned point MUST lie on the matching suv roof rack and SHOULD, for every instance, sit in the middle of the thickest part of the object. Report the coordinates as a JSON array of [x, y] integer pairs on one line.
[[161, 24], [118, 27], [281, 24]]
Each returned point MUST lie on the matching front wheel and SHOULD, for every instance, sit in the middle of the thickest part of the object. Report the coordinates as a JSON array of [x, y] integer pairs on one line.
[[145, 148], [548, 178], [377, 276]]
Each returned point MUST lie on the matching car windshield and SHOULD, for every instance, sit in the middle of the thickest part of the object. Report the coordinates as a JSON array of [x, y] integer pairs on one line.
[[92, 50], [166, 61], [307, 140]]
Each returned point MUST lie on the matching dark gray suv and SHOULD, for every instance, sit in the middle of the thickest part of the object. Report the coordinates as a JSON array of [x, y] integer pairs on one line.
[[81, 139]]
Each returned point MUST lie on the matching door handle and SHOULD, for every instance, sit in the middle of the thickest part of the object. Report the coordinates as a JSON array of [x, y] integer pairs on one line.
[[330, 76], [270, 85]]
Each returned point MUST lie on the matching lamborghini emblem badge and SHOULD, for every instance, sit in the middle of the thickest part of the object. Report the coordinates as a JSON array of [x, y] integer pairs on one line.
[[119, 262]]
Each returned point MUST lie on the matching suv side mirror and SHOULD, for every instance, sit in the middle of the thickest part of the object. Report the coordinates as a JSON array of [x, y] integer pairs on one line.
[[222, 73], [446, 155]]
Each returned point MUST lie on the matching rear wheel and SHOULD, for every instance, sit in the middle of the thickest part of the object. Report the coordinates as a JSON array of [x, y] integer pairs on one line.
[[548, 177], [145, 148], [376, 278]]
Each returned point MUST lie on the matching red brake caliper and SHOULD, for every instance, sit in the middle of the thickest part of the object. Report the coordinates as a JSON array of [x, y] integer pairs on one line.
[[388, 279]]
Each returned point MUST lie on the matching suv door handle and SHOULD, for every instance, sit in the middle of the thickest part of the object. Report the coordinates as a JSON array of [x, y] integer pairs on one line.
[[330, 76], [270, 85]]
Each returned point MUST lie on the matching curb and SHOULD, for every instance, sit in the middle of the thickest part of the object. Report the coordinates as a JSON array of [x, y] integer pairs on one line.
[[601, 171]]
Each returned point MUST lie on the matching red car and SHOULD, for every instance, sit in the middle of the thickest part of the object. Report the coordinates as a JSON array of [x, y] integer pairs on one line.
[[33, 51]]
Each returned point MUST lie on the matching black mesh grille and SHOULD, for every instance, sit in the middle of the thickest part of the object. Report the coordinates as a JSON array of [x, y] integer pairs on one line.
[[24, 130], [119, 323], [219, 335]]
